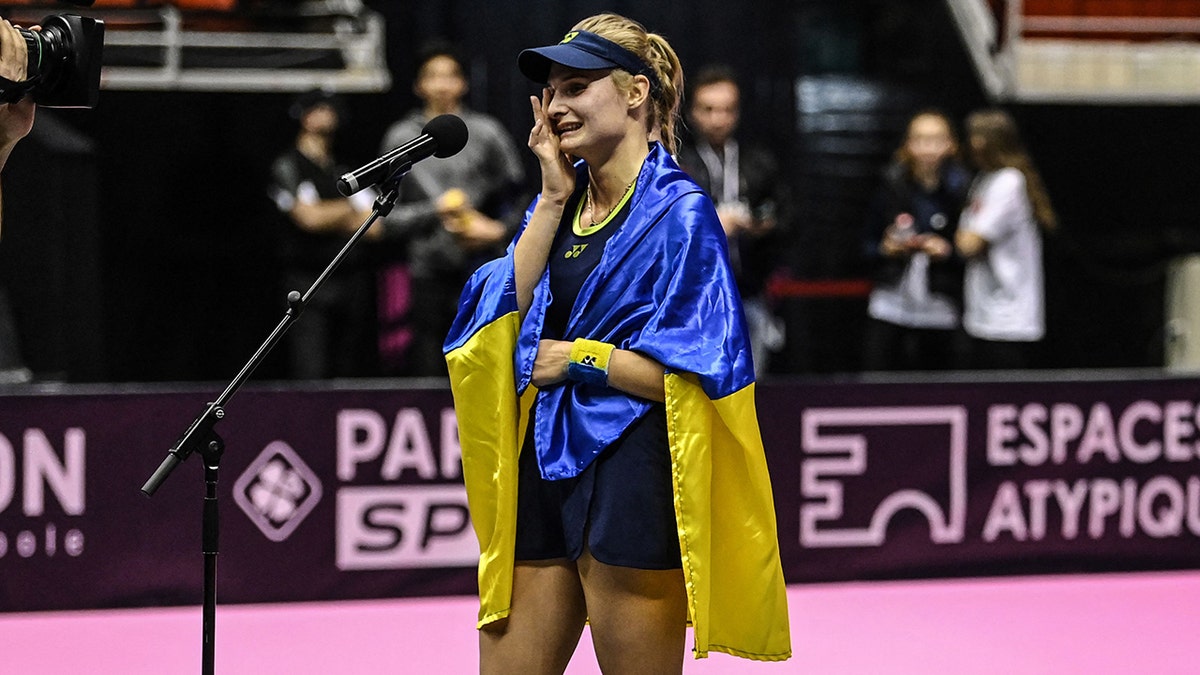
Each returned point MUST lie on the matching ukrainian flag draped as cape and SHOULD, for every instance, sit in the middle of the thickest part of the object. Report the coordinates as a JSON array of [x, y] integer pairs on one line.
[[662, 288]]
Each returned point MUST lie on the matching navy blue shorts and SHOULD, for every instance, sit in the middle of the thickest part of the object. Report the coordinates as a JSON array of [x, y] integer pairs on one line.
[[622, 503]]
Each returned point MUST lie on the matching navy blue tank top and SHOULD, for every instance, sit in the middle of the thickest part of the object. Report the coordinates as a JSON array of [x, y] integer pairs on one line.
[[573, 258]]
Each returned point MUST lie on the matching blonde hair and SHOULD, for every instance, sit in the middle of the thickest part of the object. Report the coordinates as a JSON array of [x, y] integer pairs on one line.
[[905, 157], [654, 50], [1002, 147]]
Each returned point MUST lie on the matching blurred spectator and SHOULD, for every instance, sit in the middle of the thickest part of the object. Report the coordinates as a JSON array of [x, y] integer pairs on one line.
[[16, 121], [914, 305], [333, 337], [744, 182], [1000, 236], [452, 215]]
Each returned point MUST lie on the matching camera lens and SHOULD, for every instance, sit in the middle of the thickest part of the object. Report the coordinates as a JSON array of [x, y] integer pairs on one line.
[[44, 48], [64, 59]]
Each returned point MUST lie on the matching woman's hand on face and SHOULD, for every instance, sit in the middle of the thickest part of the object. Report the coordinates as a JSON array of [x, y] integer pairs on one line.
[[550, 364], [558, 175]]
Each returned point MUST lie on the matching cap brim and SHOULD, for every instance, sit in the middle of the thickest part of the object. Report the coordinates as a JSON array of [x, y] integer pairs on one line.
[[535, 63]]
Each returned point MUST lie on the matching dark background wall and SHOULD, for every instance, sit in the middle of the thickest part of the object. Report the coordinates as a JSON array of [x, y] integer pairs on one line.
[[144, 249]]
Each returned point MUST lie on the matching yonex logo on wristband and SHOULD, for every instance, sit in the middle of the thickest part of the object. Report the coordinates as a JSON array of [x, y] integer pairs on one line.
[[589, 361]]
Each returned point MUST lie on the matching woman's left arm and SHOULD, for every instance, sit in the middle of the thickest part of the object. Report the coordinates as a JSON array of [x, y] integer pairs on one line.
[[628, 371]]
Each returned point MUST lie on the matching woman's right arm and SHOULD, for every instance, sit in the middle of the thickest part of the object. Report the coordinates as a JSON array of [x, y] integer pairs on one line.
[[558, 181], [994, 214], [969, 244]]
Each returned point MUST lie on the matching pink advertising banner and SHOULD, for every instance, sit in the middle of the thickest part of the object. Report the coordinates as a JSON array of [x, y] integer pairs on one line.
[[351, 493]]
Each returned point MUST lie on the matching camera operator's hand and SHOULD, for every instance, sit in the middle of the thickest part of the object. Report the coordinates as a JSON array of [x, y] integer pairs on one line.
[[13, 56], [16, 119]]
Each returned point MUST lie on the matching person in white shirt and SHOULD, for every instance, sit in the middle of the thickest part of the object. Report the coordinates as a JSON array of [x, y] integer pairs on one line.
[[1000, 236]]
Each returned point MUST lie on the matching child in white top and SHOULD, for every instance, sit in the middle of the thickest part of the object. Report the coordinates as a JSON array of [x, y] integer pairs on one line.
[[999, 235]]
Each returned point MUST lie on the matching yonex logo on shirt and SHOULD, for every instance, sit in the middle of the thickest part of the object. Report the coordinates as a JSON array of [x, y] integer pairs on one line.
[[576, 251]]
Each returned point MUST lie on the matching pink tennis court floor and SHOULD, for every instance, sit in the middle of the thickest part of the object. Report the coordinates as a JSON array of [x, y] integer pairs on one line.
[[1093, 624]]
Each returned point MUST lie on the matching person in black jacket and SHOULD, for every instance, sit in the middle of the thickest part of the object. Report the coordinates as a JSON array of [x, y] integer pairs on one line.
[[748, 189], [334, 336], [915, 306]]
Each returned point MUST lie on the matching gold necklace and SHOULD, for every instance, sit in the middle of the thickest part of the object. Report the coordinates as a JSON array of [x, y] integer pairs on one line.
[[591, 207]]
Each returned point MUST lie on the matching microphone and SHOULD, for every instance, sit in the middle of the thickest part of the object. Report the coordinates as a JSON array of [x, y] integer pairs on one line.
[[441, 137]]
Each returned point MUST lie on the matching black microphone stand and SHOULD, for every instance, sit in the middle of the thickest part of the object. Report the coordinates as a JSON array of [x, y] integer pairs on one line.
[[202, 437]]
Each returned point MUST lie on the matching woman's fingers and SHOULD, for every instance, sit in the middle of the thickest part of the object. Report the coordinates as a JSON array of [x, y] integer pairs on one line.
[[537, 109], [541, 125], [557, 171], [541, 136]]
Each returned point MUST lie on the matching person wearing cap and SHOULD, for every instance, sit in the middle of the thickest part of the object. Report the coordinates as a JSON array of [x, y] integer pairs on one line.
[[452, 215], [604, 389], [333, 337]]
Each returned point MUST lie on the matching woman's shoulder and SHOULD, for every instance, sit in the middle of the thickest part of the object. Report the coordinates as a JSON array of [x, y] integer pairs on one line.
[[669, 189], [1008, 177], [689, 211], [674, 188], [999, 182], [667, 174]]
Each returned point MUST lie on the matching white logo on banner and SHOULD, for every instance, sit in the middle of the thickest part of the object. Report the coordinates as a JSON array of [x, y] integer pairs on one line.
[[26, 484], [404, 526], [417, 524], [277, 491], [1100, 442], [845, 453]]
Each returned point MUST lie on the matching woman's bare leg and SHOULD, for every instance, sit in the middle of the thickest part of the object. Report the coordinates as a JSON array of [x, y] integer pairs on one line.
[[638, 617], [543, 627]]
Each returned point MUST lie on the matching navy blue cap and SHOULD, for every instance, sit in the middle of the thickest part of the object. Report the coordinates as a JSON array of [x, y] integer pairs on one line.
[[583, 50]]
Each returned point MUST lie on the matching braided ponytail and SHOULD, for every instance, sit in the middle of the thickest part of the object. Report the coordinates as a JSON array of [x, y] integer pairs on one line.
[[657, 53]]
